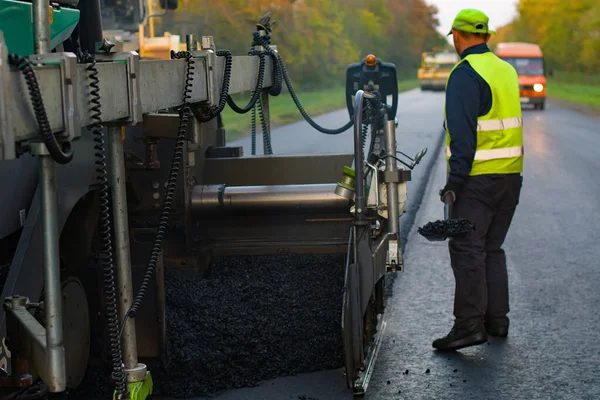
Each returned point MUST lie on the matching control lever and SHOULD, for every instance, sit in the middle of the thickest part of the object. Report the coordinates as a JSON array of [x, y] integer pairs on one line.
[[414, 161]]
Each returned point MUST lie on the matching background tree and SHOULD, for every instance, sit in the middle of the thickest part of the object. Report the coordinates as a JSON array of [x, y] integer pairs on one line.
[[567, 31], [317, 38]]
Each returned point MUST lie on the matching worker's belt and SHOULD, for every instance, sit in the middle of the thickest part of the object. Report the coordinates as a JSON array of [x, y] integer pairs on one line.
[[497, 124], [493, 154]]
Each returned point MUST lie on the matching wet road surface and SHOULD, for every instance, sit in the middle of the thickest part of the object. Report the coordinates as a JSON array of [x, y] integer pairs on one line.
[[552, 351]]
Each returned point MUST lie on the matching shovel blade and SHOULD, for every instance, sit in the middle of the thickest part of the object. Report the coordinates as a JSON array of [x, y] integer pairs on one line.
[[441, 230], [435, 238]]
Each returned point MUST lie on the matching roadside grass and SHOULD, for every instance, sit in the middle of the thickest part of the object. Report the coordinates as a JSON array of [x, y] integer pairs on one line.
[[578, 89], [283, 110]]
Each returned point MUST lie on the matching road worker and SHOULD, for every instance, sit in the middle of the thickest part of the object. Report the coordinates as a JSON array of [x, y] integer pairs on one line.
[[484, 152]]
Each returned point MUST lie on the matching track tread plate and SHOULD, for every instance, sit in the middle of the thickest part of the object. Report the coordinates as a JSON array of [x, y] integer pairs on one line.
[[362, 382]]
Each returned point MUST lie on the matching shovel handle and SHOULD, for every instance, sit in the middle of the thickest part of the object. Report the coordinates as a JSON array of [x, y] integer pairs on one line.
[[448, 204]]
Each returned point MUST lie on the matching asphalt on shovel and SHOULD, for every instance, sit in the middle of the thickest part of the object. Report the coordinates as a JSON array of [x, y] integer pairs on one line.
[[440, 230]]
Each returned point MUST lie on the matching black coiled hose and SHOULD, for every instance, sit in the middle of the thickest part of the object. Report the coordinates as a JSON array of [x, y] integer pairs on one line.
[[257, 90], [256, 95], [212, 113], [106, 254], [372, 119], [61, 155], [365, 135], [264, 41], [185, 111], [253, 130], [366, 121], [265, 129], [267, 147], [274, 90]]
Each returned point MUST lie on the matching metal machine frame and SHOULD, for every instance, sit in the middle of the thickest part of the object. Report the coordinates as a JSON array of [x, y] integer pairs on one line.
[[141, 95]]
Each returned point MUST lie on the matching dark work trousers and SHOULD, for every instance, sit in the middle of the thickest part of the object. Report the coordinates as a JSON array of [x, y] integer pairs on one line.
[[478, 260]]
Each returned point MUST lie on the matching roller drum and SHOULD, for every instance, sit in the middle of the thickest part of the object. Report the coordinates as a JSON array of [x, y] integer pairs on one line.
[[317, 197]]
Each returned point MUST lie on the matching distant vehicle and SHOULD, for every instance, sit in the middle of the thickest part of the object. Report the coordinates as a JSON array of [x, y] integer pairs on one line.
[[528, 60], [435, 69], [137, 28]]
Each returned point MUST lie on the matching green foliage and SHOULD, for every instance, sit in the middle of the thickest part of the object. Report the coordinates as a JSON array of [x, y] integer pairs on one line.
[[317, 38], [567, 31], [283, 110], [580, 93], [589, 37]]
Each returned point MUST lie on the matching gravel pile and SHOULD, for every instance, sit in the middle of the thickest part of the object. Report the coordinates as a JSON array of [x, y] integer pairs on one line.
[[250, 319], [447, 228]]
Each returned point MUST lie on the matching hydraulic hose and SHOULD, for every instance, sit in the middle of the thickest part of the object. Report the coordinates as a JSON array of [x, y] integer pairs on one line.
[[264, 41], [275, 89], [268, 149], [212, 113], [265, 129], [61, 155], [257, 90], [373, 119], [358, 157], [368, 111], [106, 252], [255, 104], [185, 112], [280, 74], [303, 111], [253, 131]]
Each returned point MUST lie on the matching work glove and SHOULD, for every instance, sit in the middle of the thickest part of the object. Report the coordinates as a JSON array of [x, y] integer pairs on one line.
[[451, 187]]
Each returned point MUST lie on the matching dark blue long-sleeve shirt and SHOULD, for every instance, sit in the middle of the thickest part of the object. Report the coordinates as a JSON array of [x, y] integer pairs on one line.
[[468, 96]]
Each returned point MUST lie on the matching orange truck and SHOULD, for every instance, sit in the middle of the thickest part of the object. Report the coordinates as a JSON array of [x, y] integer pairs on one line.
[[528, 60]]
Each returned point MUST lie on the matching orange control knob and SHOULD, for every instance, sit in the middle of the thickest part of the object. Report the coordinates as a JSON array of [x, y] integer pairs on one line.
[[371, 60]]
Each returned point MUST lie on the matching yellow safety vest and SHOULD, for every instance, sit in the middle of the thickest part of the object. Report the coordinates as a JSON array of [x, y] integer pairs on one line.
[[500, 132]]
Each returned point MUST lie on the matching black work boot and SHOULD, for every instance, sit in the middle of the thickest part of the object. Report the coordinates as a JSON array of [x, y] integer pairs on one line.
[[463, 334], [497, 326]]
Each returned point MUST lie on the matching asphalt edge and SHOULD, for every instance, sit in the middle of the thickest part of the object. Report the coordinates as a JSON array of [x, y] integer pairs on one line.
[[407, 226], [419, 192], [573, 106]]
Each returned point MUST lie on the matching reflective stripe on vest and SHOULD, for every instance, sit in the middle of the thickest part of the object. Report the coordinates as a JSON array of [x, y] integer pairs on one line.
[[499, 133], [497, 124], [483, 155]]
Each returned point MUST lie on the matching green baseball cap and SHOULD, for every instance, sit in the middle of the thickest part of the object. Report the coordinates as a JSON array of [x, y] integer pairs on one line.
[[471, 20]]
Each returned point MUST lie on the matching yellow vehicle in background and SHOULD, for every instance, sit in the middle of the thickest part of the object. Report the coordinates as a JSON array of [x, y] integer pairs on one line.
[[435, 69], [137, 31]]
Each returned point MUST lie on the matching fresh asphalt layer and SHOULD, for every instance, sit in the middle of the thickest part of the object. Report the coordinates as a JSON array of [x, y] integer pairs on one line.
[[552, 351]]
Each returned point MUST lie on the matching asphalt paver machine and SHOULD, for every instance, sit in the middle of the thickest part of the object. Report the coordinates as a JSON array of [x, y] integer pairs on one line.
[[123, 161]]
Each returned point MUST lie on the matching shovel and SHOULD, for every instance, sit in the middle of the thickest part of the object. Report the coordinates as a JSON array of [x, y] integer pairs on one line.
[[439, 231]]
